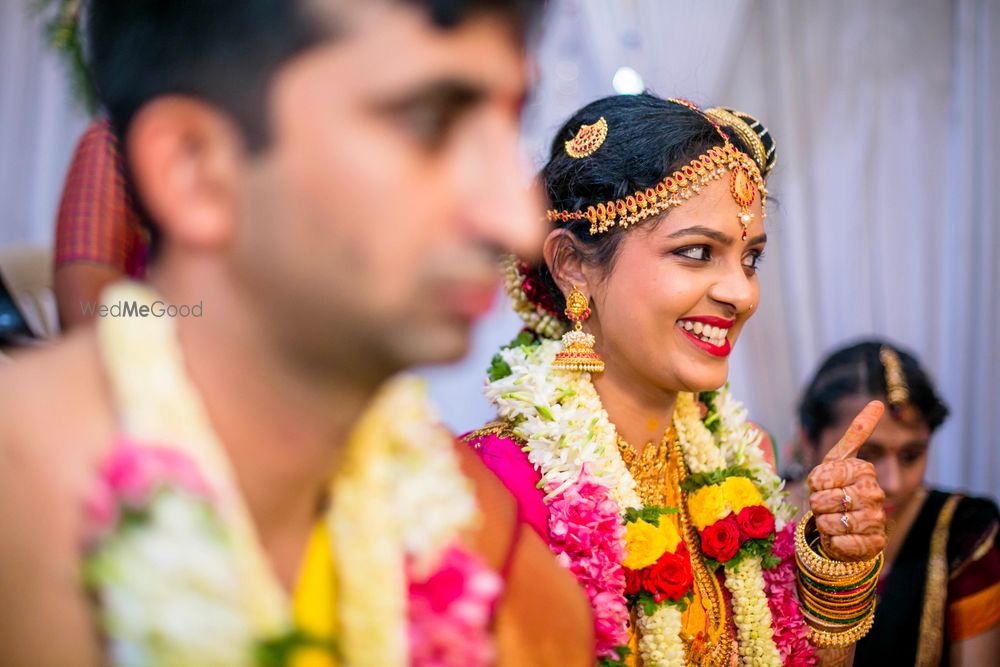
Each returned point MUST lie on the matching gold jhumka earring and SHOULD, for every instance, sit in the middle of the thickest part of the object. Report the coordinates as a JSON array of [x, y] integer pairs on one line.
[[578, 353]]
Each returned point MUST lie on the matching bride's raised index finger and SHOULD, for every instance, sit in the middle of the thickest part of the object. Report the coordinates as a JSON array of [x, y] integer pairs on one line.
[[857, 433]]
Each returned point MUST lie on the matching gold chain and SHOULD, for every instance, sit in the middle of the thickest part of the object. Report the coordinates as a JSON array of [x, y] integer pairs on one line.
[[708, 584]]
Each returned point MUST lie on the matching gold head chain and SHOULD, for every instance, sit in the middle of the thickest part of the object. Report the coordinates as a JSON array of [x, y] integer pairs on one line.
[[746, 179]]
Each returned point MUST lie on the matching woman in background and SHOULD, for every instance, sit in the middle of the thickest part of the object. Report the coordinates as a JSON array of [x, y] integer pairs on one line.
[[939, 590], [101, 236]]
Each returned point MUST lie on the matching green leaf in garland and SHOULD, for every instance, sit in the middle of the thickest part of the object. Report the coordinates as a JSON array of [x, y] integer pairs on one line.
[[754, 549], [770, 561], [695, 481], [712, 419], [711, 564], [623, 653], [649, 605], [279, 651], [649, 514], [545, 412], [499, 368]]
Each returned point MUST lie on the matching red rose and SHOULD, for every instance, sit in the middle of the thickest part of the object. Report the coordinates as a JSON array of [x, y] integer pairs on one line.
[[721, 540], [669, 577], [756, 521], [633, 581]]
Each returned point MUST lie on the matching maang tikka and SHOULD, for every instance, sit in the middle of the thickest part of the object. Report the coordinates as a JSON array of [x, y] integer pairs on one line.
[[578, 353]]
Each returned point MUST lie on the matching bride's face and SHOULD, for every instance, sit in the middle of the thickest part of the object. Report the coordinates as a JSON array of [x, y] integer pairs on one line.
[[678, 294]]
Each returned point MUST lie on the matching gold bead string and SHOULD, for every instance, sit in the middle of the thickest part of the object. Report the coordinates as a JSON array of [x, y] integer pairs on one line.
[[706, 581]]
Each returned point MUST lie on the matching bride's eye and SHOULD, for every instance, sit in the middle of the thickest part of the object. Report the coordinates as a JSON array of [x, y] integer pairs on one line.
[[753, 259], [699, 252]]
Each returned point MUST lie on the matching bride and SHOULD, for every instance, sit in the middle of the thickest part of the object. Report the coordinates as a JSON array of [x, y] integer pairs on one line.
[[617, 433]]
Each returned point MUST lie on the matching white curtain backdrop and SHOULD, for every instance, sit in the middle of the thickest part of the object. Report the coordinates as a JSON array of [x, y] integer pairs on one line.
[[39, 126], [883, 111]]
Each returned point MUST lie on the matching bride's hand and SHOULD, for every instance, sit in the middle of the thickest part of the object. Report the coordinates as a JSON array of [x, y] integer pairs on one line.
[[845, 496]]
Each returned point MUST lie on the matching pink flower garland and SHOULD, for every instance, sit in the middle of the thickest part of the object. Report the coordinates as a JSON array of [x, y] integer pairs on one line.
[[450, 613], [791, 634], [587, 535], [131, 475]]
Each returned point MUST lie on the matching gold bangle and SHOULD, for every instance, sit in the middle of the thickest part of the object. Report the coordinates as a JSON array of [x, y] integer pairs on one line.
[[820, 624], [839, 586], [824, 639], [825, 568], [839, 582], [840, 618], [835, 605]]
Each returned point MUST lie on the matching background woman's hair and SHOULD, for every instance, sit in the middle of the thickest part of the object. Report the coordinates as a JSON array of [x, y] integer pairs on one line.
[[648, 139], [857, 370]]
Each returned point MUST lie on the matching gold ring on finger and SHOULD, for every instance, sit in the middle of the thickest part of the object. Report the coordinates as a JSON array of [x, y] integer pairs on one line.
[[844, 520]]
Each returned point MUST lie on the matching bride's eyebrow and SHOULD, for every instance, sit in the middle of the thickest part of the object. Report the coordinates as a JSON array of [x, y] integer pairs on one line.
[[715, 235], [699, 230]]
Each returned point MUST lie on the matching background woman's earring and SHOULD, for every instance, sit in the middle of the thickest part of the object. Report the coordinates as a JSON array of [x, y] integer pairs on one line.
[[578, 353]]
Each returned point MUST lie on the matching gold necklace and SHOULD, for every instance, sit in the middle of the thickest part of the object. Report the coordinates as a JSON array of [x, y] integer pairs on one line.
[[649, 470]]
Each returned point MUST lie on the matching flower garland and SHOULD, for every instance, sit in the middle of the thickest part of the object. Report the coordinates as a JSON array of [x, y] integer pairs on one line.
[[735, 526], [570, 440], [175, 509], [587, 536], [152, 512], [408, 503], [526, 297], [791, 634]]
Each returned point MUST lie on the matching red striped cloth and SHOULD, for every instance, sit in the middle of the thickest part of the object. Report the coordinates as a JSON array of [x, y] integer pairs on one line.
[[97, 220]]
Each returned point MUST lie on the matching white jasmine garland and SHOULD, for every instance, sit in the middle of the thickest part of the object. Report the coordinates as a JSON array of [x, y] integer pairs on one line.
[[559, 416], [432, 498], [659, 638], [738, 445], [701, 453], [752, 615]]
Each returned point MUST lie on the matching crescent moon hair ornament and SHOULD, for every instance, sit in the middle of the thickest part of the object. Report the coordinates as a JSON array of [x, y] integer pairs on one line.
[[588, 139]]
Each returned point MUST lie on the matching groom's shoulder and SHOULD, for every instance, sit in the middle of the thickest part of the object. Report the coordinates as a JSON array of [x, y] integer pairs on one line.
[[54, 409], [50, 427]]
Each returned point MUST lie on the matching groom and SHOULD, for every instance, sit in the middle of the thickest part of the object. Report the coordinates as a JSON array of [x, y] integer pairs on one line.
[[332, 181]]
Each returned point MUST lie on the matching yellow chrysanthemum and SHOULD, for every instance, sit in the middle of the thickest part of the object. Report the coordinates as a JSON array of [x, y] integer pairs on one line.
[[740, 492], [644, 544], [707, 505]]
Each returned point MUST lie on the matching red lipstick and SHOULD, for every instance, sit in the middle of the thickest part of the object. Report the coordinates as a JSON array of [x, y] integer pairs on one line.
[[723, 350]]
